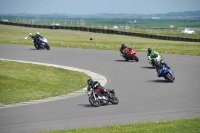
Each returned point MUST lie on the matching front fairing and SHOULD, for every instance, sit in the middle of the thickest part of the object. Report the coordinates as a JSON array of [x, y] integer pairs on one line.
[[131, 52], [165, 70], [43, 41]]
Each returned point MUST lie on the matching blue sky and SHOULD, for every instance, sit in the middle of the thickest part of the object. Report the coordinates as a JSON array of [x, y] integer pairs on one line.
[[97, 6]]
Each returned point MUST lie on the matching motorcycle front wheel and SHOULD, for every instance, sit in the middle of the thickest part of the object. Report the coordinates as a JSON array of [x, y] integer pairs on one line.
[[169, 77], [94, 102], [114, 100], [47, 47], [136, 58]]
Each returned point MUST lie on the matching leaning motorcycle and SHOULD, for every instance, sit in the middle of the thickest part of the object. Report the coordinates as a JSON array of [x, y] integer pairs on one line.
[[166, 73], [130, 54], [42, 42], [97, 98], [164, 70]]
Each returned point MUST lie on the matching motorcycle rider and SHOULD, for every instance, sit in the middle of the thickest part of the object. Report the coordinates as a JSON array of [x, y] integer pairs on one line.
[[95, 85], [37, 36], [123, 48], [155, 55], [151, 53], [159, 65]]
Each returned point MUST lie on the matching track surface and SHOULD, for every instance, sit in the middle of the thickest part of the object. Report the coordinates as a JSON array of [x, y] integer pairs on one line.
[[143, 96]]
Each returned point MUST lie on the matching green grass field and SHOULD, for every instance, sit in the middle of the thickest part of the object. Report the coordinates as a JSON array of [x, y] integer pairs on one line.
[[176, 126], [23, 82], [79, 39]]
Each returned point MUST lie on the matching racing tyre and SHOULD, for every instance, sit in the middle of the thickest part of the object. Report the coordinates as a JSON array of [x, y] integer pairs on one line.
[[136, 59], [47, 47], [95, 103], [114, 100], [169, 77]]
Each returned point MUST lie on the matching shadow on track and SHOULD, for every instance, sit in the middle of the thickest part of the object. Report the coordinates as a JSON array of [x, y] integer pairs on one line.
[[159, 81], [86, 105], [35, 49], [149, 67], [125, 61], [90, 106]]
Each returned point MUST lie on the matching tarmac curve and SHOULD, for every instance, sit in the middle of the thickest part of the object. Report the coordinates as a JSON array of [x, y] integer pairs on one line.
[[143, 96]]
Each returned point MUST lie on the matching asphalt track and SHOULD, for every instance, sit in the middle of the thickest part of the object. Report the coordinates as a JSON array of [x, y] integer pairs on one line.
[[143, 96]]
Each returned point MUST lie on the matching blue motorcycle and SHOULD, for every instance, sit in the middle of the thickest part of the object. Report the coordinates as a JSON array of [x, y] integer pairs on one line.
[[166, 73], [42, 43]]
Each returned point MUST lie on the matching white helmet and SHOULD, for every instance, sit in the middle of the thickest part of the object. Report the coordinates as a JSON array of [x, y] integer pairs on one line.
[[30, 34], [37, 33]]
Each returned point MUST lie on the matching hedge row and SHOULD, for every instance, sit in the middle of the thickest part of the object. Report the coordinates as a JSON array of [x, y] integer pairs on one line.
[[106, 31]]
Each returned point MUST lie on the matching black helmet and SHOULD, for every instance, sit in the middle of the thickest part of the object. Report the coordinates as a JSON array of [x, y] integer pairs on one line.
[[90, 81], [123, 46], [149, 50]]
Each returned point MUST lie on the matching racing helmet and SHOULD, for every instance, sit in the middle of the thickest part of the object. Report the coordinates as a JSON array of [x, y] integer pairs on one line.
[[123, 45], [149, 50], [37, 33], [90, 81], [30, 34]]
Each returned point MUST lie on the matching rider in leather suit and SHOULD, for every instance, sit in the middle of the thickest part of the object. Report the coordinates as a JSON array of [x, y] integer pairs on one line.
[[95, 85], [122, 49], [37, 36]]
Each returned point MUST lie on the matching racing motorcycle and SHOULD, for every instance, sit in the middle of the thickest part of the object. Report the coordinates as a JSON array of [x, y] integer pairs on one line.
[[164, 71], [130, 54], [42, 42], [97, 98]]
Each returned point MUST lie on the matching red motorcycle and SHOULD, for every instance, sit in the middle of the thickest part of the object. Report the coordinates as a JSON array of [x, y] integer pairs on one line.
[[97, 98], [130, 54]]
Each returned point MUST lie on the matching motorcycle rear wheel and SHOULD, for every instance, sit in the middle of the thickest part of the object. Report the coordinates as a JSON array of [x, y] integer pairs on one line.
[[93, 102]]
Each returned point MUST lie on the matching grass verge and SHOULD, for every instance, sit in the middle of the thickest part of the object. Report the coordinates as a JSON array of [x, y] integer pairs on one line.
[[22, 82], [176, 126]]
